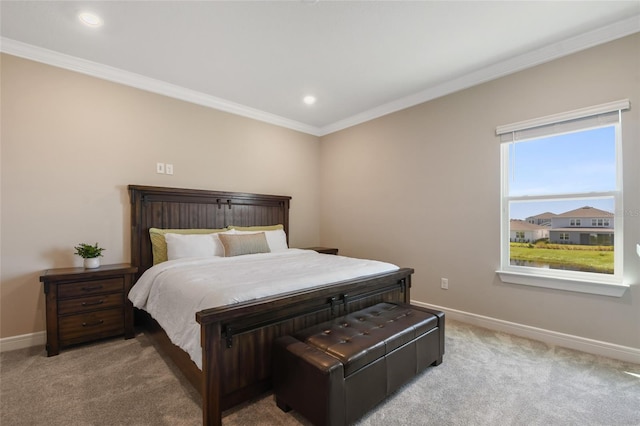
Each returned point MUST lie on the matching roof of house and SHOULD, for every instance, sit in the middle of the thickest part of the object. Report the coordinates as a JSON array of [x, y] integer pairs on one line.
[[521, 225], [586, 211], [545, 215]]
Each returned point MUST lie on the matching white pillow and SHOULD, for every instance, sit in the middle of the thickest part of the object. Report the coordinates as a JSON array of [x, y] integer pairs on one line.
[[193, 245], [277, 239]]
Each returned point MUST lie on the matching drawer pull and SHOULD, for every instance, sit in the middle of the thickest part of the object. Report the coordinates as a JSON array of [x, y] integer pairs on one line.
[[99, 302], [95, 287], [92, 324]]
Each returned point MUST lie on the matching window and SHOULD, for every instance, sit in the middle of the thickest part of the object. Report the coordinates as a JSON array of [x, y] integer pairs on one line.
[[567, 167], [600, 222], [601, 239]]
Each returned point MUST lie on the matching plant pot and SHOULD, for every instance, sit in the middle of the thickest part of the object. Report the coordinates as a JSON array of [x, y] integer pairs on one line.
[[92, 262]]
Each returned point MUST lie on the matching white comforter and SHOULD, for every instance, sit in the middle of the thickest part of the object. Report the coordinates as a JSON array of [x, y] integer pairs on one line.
[[172, 292]]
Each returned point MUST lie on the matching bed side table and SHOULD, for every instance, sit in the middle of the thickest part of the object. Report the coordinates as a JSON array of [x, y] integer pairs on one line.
[[324, 250], [87, 304]]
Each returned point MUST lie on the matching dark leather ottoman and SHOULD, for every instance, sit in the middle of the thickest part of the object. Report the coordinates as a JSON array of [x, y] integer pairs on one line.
[[335, 372]]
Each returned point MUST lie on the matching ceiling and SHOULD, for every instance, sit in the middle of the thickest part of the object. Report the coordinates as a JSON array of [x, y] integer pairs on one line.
[[359, 59]]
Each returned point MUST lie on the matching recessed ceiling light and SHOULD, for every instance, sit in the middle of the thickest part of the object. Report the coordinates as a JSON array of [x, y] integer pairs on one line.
[[309, 100], [90, 19]]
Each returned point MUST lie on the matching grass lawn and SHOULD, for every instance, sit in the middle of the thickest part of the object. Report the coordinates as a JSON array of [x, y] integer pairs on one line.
[[594, 258]]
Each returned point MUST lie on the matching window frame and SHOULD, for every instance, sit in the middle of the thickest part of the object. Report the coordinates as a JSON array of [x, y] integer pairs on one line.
[[584, 282]]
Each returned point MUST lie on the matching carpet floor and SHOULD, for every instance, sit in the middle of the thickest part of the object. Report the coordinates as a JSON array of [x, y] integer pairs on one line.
[[486, 378]]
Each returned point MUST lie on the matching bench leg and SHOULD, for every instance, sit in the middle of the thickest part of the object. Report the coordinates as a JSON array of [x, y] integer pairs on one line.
[[282, 405]]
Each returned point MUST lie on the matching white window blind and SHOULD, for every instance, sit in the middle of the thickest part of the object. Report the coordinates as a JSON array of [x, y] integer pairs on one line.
[[565, 122]]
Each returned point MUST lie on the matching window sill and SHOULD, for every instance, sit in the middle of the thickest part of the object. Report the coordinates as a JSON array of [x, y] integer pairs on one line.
[[602, 288]]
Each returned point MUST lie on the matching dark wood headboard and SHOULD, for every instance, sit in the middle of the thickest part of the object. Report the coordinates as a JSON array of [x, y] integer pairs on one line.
[[159, 207]]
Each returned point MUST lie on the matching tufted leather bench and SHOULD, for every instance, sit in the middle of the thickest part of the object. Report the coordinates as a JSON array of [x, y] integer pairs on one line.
[[335, 372]]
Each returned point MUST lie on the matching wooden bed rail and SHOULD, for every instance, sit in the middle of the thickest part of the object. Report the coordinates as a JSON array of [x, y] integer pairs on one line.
[[242, 335], [336, 302]]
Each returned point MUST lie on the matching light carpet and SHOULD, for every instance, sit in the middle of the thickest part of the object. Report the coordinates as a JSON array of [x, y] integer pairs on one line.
[[487, 378]]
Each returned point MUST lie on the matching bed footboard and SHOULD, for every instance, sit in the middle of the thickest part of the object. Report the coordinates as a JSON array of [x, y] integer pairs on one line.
[[237, 341]]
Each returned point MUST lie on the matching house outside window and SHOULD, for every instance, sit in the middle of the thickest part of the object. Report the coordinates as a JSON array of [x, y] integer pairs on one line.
[[567, 169]]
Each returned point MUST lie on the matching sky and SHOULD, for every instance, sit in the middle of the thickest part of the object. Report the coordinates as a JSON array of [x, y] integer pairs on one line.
[[576, 163]]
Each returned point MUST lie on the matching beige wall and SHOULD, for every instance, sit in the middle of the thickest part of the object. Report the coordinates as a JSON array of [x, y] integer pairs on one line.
[[421, 188], [72, 143]]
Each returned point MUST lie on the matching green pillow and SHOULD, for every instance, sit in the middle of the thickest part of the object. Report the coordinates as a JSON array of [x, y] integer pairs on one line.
[[257, 228]]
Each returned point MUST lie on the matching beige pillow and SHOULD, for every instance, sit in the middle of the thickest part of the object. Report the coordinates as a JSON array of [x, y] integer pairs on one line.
[[159, 244], [239, 244]]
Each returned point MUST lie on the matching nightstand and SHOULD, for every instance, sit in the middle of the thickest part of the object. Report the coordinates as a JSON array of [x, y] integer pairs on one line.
[[325, 250], [87, 304]]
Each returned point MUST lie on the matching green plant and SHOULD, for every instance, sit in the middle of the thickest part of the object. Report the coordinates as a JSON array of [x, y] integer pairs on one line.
[[87, 251]]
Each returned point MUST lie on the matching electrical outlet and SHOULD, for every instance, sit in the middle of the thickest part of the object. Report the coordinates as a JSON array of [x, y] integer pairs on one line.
[[168, 168], [160, 168], [444, 283]]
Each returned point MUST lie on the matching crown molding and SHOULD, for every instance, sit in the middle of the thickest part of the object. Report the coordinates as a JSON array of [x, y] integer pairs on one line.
[[548, 53], [127, 78]]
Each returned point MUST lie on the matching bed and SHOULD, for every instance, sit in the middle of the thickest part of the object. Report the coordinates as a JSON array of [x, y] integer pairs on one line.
[[236, 340]]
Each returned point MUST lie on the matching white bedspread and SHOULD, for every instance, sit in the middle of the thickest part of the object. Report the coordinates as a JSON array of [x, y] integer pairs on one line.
[[172, 292]]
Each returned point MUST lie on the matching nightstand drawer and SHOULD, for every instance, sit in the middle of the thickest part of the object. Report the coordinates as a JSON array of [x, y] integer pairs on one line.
[[93, 325], [91, 303], [90, 287]]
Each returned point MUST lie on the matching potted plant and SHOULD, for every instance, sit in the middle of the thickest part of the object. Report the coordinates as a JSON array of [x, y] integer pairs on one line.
[[90, 254]]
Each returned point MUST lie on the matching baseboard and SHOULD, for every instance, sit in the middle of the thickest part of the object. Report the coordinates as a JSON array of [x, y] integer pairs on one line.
[[23, 341], [596, 347]]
